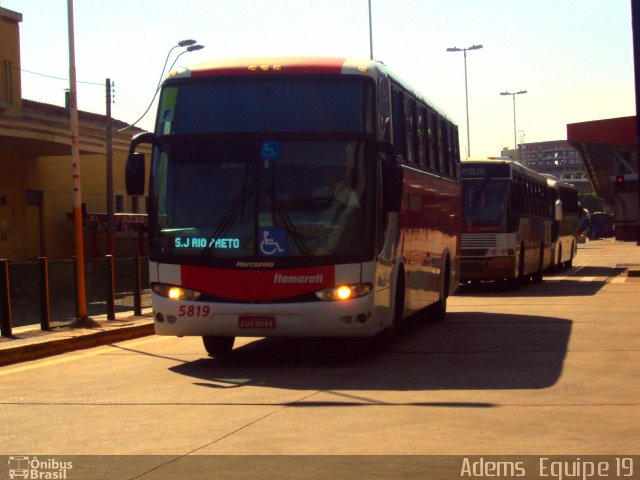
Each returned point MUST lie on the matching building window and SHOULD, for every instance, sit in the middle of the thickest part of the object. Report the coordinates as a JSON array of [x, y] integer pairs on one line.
[[135, 204]]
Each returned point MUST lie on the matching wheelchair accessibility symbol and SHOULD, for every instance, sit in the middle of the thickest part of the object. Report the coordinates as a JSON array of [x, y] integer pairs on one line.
[[269, 150], [274, 242]]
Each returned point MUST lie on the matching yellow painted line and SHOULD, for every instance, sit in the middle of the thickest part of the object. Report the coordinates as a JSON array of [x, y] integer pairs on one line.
[[70, 356]]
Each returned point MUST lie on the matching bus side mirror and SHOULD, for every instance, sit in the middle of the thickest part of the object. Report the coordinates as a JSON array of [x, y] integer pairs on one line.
[[134, 172], [558, 211]]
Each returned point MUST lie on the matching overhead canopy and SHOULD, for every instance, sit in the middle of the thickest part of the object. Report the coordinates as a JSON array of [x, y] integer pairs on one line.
[[600, 142]]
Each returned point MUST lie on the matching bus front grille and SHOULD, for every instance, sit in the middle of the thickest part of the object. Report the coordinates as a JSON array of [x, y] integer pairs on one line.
[[478, 241]]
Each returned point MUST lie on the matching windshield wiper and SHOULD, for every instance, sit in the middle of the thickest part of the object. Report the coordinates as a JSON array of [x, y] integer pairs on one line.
[[228, 220], [288, 223]]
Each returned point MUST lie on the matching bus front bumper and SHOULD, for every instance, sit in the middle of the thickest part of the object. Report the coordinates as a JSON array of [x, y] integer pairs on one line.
[[494, 268], [353, 318]]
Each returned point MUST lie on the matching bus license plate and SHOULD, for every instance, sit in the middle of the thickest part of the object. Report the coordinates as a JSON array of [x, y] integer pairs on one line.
[[246, 321]]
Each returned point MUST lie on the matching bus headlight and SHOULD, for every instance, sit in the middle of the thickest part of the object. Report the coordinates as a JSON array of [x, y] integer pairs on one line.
[[175, 293], [344, 292]]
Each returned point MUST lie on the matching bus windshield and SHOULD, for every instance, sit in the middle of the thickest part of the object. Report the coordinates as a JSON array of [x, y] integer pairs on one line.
[[485, 205], [266, 105], [237, 200]]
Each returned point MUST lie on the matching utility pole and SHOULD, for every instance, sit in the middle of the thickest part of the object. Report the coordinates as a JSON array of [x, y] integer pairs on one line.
[[83, 319], [111, 244]]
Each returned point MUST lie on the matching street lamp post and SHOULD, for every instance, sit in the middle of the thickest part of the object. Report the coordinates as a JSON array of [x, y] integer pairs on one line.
[[370, 34], [515, 139], [190, 47], [466, 91]]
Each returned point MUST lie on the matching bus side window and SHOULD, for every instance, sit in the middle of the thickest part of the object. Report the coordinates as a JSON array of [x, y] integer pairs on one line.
[[423, 139], [455, 162], [399, 139], [436, 140], [384, 109], [409, 125], [444, 156]]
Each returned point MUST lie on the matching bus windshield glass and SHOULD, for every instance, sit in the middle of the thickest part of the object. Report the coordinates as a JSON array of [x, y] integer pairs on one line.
[[266, 105], [259, 199], [485, 205]]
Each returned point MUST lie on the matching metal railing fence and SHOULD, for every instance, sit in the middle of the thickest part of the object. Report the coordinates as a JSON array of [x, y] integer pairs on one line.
[[45, 291]]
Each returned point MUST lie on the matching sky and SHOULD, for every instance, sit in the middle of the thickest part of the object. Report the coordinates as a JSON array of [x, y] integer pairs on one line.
[[573, 57]]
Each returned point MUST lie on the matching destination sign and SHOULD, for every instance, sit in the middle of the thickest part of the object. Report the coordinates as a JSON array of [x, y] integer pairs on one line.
[[483, 170], [203, 242]]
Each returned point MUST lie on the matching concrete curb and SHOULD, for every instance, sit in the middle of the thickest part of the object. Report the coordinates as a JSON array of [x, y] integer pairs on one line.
[[633, 272], [73, 340]]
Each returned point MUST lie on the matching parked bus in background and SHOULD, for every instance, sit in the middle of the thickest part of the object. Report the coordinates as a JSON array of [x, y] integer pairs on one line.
[[601, 225], [297, 197], [565, 226], [506, 222]]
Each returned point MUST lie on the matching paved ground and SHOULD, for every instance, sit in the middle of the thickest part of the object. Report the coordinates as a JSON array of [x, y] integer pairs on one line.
[[551, 369]]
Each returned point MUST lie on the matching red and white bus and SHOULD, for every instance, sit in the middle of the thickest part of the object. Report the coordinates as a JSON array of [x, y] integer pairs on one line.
[[297, 197]]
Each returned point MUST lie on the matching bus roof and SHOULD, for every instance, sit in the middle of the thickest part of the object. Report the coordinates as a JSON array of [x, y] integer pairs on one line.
[[513, 165], [280, 66], [253, 66]]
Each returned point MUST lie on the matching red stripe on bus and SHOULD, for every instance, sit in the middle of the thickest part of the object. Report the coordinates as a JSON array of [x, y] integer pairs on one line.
[[328, 66], [257, 285]]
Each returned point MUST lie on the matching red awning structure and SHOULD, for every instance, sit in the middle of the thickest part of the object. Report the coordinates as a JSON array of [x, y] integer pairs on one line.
[[605, 147], [610, 155]]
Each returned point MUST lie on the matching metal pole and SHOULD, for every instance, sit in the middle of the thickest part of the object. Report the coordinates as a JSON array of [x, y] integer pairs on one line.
[[466, 97], [81, 306], [515, 137], [5, 300], [111, 244], [110, 278], [370, 34], [635, 17], [137, 288], [45, 306]]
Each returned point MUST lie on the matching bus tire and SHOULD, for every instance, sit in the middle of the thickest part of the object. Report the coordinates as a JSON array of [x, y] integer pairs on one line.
[[522, 278], [570, 261], [218, 346], [439, 309], [559, 264], [537, 277], [382, 341]]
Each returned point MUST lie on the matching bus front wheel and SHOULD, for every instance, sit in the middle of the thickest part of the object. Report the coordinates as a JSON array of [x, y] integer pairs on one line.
[[218, 346], [439, 309], [383, 341]]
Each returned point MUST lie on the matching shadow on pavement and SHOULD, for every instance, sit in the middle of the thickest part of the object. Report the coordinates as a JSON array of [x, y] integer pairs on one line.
[[469, 351], [584, 281]]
